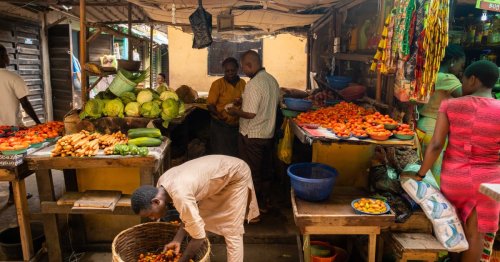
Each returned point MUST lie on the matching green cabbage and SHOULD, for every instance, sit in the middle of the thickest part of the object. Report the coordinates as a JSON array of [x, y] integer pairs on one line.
[[158, 102], [105, 95], [127, 97], [114, 108], [132, 109], [93, 109], [145, 96], [150, 110], [170, 108], [168, 94]]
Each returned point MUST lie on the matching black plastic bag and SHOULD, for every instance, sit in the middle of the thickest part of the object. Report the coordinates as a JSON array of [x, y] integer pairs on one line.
[[381, 182], [201, 24]]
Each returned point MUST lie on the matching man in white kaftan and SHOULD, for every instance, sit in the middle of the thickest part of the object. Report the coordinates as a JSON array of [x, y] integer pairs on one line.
[[213, 193]]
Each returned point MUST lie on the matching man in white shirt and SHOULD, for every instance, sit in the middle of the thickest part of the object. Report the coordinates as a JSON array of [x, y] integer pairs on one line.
[[212, 193], [13, 91], [257, 123]]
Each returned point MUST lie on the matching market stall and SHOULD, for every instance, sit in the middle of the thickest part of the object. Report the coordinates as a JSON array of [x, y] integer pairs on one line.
[[15, 146], [97, 185]]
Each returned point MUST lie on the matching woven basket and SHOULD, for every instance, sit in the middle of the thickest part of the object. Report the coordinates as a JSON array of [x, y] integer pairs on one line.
[[150, 237]]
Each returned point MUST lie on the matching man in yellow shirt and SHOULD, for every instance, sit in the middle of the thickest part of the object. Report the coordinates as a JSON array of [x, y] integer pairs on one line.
[[223, 93]]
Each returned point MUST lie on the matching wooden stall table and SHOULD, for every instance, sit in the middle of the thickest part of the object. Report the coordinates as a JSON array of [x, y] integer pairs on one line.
[[351, 158], [335, 216], [15, 170], [82, 173]]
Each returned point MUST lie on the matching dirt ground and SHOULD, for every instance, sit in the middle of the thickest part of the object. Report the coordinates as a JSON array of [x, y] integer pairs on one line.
[[273, 239]]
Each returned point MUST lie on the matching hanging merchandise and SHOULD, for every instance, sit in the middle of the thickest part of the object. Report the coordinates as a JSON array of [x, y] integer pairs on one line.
[[201, 23], [415, 36], [434, 44]]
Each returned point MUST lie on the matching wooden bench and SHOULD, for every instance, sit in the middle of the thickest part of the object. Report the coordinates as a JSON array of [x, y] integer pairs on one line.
[[415, 246]]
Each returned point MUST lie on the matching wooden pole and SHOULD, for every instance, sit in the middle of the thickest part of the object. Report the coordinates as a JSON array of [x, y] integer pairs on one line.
[[130, 53], [151, 30], [83, 49], [47, 87]]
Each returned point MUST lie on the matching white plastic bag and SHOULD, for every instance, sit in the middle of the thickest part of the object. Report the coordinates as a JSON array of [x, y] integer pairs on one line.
[[418, 190], [450, 233], [438, 207]]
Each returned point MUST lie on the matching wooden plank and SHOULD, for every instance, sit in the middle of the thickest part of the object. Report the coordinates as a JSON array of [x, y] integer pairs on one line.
[[19, 190], [7, 175], [417, 242], [147, 176], [48, 162], [341, 230], [52, 237], [53, 208], [98, 199], [354, 57], [336, 211], [372, 247]]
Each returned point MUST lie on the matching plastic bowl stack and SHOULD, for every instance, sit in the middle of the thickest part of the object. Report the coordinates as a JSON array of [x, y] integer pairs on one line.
[[312, 181], [338, 82], [297, 104]]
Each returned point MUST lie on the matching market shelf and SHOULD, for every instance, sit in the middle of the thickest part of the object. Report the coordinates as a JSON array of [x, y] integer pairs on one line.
[[65, 207], [354, 57]]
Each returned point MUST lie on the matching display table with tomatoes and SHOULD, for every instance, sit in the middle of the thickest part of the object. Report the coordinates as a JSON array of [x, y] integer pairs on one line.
[[99, 173], [335, 216], [345, 135], [15, 145]]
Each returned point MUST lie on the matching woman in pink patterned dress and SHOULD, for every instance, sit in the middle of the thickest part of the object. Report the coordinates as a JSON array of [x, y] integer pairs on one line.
[[472, 124]]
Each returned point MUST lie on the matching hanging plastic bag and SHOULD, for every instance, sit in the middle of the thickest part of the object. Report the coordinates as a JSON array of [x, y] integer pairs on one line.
[[201, 24], [285, 145]]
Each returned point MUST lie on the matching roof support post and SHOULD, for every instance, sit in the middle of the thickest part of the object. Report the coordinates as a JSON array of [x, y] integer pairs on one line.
[[130, 53], [83, 49], [151, 30]]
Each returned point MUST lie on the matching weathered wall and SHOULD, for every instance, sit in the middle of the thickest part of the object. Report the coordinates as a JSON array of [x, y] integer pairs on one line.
[[284, 57]]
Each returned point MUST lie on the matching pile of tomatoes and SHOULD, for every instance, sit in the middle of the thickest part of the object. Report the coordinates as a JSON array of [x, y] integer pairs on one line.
[[22, 139], [404, 129], [166, 256], [345, 119]]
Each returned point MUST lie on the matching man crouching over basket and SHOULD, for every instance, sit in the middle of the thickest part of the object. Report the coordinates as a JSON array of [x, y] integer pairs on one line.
[[212, 193]]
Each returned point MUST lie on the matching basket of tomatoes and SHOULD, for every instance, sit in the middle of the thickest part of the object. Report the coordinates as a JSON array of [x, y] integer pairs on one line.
[[145, 242]]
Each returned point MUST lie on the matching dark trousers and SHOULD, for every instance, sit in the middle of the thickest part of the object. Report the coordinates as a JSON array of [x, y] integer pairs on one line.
[[256, 152], [223, 138]]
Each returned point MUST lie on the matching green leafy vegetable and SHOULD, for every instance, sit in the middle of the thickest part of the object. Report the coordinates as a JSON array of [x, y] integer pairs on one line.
[[170, 109], [150, 110], [93, 109], [168, 94], [145, 96], [133, 109], [114, 108], [105, 95], [127, 97], [135, 77]]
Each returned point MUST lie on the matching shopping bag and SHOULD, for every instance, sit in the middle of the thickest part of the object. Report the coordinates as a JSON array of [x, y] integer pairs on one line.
[[201, 24], [286, 143]]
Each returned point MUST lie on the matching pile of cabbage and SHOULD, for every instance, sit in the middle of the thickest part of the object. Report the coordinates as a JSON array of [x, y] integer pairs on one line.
[[140, 103]]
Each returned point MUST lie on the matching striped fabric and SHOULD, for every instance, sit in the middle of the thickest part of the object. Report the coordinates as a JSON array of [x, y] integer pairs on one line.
[[472, 157], [260, 97]]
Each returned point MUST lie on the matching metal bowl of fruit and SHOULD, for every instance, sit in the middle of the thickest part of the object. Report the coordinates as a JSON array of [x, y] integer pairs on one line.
[[370, 206]]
